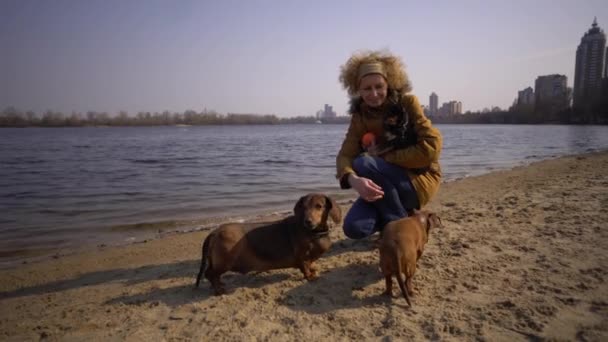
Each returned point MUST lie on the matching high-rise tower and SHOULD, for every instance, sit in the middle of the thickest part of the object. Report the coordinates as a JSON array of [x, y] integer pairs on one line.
[[551, 96], [433, 103], [589, 70]]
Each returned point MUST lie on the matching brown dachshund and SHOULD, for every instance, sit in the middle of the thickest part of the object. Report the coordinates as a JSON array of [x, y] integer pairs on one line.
[[296, 241], [401, 245]]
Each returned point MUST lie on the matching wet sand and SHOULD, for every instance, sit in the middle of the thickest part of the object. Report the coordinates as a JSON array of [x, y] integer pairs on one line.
[[522, 255]]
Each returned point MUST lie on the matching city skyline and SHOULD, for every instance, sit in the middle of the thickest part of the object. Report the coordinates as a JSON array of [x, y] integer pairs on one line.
[[275, 58]]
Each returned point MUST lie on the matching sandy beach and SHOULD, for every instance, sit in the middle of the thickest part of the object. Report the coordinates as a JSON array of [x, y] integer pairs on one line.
[[522, 256]]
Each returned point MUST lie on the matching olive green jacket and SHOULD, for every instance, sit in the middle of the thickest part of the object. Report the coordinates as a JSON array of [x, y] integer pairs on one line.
[[420, 161]]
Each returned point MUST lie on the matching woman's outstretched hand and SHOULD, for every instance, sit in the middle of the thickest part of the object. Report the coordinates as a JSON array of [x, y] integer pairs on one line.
[[366, 188]]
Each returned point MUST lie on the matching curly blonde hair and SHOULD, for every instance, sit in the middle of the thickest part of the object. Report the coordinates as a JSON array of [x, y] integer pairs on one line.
[[396, 77]]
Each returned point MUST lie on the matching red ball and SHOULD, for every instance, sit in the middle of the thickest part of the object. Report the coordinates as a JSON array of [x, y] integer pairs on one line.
[[368, 139]]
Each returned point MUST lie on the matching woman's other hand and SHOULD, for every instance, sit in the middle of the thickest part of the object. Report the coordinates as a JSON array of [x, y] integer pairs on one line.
[[378, 151], [373, 150], [366, 188]]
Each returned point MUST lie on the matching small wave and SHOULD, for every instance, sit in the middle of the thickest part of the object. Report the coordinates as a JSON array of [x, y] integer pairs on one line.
[[67, 213], [18, 194], [23, 162], [32, 172], [148, 226], [269, 161], [130, 193], [185, 158], [146, 161], [25, 252], [318, 166], [5, 221], [124, 177]]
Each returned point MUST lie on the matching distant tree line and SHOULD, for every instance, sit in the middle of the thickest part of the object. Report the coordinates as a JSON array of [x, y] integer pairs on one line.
[[12, 117], [530, 115], [511, 117]]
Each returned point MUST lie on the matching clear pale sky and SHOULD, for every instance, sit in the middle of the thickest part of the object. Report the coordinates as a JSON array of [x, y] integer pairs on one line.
[[276, 57]]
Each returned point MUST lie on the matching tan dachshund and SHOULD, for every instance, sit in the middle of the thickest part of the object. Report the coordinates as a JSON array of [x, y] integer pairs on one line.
[[296, 241], [401, 245]]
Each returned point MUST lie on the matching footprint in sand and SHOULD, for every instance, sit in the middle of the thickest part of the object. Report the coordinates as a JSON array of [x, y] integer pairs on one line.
[[546, 310], [551, 207], [599, 306], [596, 272], [527, 319], [570, 301]]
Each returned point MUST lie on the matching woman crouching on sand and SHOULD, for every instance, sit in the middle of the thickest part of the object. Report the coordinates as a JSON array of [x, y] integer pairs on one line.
[[398, 170]]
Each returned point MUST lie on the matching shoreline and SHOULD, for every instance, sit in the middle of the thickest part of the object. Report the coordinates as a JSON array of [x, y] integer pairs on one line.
[[522, 255], [144, 232], [133, 235], [142, 195]]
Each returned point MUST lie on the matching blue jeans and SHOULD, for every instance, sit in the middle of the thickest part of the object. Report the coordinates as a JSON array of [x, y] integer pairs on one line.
[[365, 218]]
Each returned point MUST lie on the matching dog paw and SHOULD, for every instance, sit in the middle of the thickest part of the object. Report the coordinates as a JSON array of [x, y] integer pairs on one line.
[[312, 276]]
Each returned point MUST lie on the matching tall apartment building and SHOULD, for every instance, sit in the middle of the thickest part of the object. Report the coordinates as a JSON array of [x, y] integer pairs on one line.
[[591, 66], [433, 103], [326, 113], [450, 108], [458, 107], [525, 97], [551, 94]]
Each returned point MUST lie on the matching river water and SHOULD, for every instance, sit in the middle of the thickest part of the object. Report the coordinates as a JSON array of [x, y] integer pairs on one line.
[[72, 187]]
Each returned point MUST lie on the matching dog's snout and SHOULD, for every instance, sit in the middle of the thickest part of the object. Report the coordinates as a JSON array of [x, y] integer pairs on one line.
[[308, 223]]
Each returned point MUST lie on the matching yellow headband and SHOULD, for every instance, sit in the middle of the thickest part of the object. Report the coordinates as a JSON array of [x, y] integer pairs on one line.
[[370, 68]]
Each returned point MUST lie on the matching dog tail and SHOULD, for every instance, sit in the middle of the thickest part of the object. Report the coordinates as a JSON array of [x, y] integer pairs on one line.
[[399, 276], [204, 259]]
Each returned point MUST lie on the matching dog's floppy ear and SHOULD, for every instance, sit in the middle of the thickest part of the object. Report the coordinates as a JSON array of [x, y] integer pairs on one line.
[[335, 212], [299, 205]]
